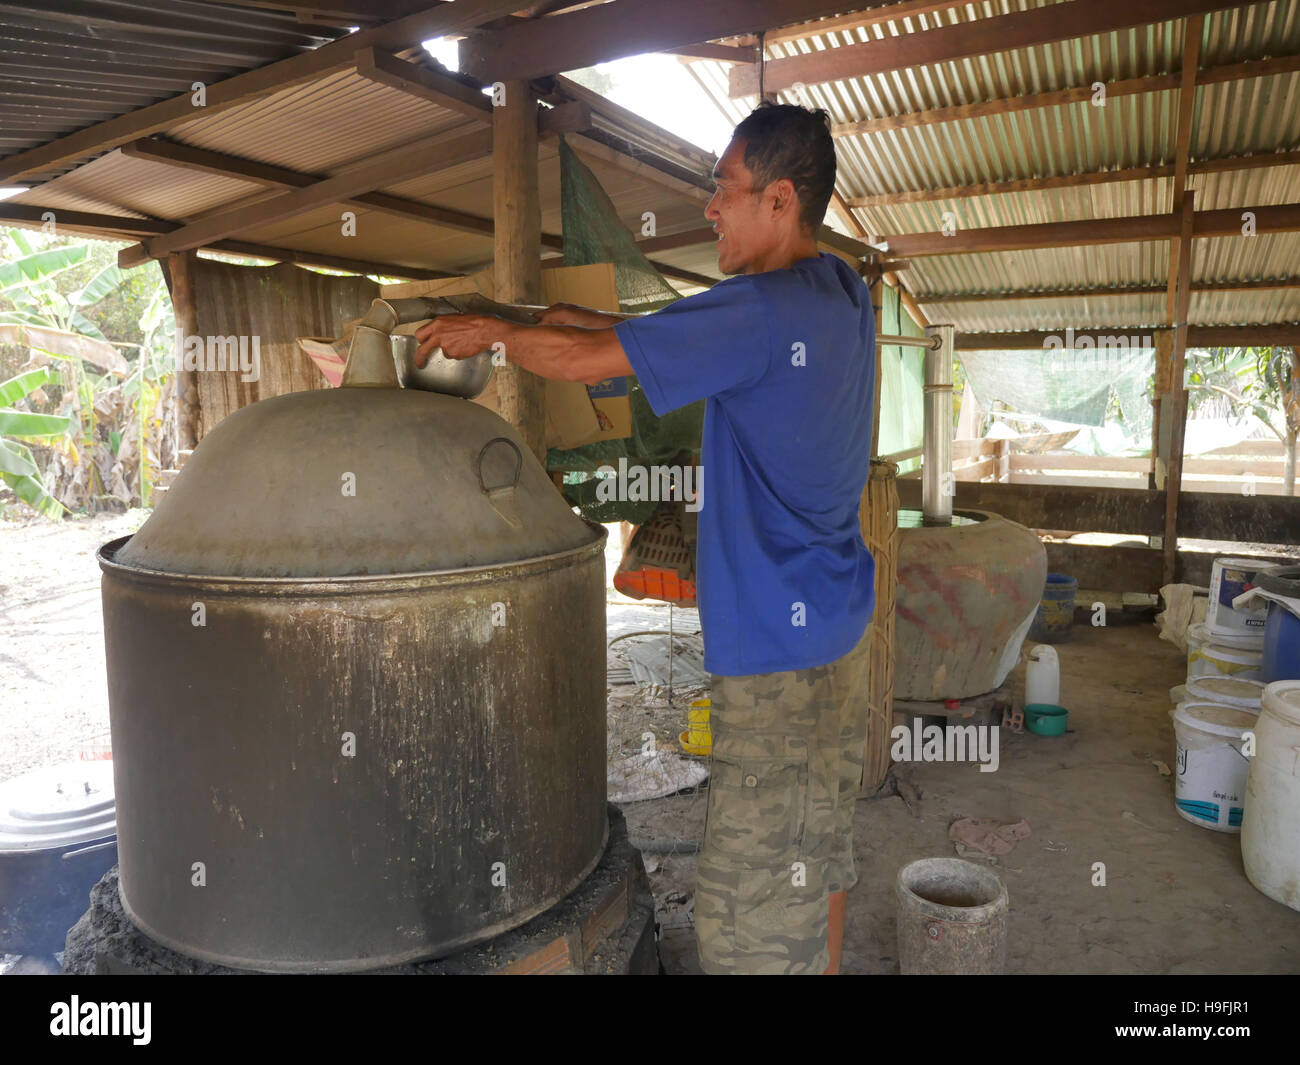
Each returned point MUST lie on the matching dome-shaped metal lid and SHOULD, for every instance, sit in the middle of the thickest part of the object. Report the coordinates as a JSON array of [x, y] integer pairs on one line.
[[356, 481]]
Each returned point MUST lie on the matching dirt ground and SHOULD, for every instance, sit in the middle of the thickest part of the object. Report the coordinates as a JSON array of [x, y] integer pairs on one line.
[[1175, 900], [53, 691]]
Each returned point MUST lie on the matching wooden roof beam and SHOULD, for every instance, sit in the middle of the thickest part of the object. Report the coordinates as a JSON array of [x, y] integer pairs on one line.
[[1199, 336], [122, 227], [1105, 293], [427, 156], [1020, 29], [1222, 223], [187, 157], [876, 15], [435, 21], [537, 47], [1065, 181]]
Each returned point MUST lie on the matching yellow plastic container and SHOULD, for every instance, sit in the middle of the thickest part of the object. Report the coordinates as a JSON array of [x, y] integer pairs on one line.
[[698, 737]]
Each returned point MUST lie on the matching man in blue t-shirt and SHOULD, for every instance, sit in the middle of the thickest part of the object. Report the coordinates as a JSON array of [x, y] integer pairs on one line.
[[784, 352]]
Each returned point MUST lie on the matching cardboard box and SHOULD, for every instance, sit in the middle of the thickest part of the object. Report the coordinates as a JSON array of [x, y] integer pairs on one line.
[[575, 413]]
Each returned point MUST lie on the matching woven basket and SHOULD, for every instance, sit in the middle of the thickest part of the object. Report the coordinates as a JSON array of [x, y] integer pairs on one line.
[[878, 515]]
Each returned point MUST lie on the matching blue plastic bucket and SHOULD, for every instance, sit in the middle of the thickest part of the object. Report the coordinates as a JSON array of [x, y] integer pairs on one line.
[[1055, 617]]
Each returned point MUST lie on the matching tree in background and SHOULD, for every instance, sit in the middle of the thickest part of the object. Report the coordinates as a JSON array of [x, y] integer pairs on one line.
[[1263, 381], [60, 302]]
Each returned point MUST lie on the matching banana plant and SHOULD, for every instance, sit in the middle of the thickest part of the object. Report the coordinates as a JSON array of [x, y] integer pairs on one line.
[[18, 468]]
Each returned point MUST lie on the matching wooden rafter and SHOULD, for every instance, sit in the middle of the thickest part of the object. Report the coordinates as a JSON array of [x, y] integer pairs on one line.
[[1284, 218], [1067, 181], [1200, 336], [1105, 293], [187, 157], [1020, 29], [123, 227], [876, 15], [537, 47], [1250, 68], [427, 156], [436, 21]]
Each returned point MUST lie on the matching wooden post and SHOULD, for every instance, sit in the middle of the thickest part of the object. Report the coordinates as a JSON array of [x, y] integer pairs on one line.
[[1002, 461], [180, 281], [517, 277], [1178, 391]]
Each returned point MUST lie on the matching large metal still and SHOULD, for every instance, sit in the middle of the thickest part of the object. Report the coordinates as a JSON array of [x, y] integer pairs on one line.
[[356, 681]]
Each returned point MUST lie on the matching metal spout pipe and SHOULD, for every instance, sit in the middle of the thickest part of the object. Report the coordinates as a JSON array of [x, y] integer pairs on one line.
[[937, 483]]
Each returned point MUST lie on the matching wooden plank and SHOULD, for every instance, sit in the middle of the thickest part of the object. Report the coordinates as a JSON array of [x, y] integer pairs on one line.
[[1133, 511], [89, 222], [985, 36], [517, 276], [436, 21], [1249, 519], [976, 471], [427, 156], [1106, 293], [536, 47], [1201, 336], [979, 447], [1100, 568]]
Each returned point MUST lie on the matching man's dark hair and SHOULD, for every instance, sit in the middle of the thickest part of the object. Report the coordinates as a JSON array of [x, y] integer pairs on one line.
[[785, 141]]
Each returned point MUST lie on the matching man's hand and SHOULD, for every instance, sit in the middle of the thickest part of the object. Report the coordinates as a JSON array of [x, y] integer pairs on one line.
[[572, 314], [461, 336]]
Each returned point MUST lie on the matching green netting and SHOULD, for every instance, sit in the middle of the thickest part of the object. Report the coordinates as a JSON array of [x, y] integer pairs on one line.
[[1095, 387], [594, 234]]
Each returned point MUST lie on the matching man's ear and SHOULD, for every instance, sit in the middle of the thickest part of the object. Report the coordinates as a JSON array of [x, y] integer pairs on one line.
[[784, 197]]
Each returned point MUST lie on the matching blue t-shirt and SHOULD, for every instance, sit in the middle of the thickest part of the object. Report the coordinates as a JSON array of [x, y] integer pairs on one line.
[[787, 361]]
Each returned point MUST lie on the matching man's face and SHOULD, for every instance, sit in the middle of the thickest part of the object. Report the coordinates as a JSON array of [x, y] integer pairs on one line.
[[746, 230]]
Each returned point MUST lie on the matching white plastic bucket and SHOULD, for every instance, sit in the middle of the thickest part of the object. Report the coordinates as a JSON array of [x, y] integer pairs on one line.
[[1198, 635], [1226, 691], [1210, 783], [1229, 578], [1270, 830], [1216, 660]]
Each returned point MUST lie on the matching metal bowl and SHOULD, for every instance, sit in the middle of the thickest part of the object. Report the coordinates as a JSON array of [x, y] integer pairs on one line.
[[454, 377]]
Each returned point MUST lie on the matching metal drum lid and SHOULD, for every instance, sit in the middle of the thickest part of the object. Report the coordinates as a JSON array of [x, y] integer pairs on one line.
[[58, 806]]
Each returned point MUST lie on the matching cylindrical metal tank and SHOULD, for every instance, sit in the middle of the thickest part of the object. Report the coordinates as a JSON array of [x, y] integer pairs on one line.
[[356, 666]]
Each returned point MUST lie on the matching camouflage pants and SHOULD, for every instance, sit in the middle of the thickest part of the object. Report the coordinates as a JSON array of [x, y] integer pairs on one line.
[[778, 840]]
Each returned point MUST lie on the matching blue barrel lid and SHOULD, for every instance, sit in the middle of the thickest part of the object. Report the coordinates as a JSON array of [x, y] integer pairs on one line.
[[57, 807]]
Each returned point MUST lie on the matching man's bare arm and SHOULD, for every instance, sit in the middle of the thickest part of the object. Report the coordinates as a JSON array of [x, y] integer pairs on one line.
[[557, 352]]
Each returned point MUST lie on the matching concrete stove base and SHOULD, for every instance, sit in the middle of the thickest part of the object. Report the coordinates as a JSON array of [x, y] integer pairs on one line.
[[604, 926]]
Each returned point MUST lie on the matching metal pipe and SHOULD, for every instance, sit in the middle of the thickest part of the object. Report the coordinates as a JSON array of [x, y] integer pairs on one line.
[[936, 472], [906, 342]]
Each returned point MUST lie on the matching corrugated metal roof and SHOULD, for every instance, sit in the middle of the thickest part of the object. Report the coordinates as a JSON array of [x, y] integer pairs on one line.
[[67, 64], [1259, 115]]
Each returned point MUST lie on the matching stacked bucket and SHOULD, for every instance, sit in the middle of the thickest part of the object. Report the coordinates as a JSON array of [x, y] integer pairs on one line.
[[1237, 724]]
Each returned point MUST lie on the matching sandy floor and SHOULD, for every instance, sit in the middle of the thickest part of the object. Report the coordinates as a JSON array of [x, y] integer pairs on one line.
[[1176, 899], [53, 693]]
